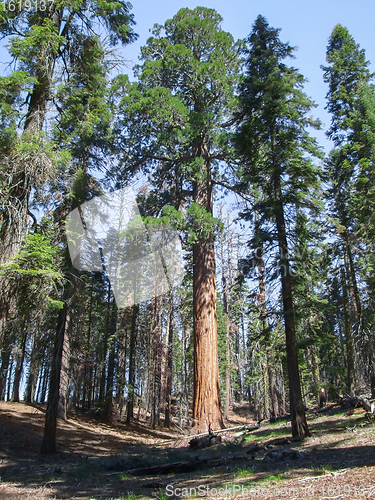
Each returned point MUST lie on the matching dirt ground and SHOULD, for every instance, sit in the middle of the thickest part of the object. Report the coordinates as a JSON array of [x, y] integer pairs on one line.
[[94, 459]]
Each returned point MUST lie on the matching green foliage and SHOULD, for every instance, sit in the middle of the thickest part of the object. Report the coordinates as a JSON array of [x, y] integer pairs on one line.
[[171, 120], [347, 68], [245, 472], [35, 44], [35, 273], [84, 116], [273, 134], [274, 142], [11, 88]]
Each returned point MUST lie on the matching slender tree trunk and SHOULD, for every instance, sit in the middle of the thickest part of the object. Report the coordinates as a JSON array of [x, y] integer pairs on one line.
[[206, 400], [122, 360], [348, 337], [263, 314], [19, 367], [49, 436], [111, 325], [65, 365], [275, 411], [169, 362], [10, 374], [45, 378], [132, 354], [33, 371], [157, 352], [89, 355], [355, 302], [5, 357], [297, 409]]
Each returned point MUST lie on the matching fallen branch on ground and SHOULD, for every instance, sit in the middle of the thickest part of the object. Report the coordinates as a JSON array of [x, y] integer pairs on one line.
[[178, 467]]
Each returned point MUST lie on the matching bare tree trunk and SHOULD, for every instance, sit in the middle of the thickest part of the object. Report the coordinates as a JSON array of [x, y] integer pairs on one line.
[[348, 337], [227, 332], [5, 357], [132, 354], [122, 360], [263, 314], [19, 366], [157, 351], [355, 303], [44, 377], [65, 366], [169, 362], [89, 356], [10, 373], [33, 371], [297, 409], [206, 400], [112, 325], [49, 436]]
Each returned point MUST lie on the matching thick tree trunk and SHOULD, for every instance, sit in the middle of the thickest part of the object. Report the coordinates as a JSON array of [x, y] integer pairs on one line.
[[206, 400], [297, 408]]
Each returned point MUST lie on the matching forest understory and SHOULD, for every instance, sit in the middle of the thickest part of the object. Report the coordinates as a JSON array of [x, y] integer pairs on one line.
[[97, 460]]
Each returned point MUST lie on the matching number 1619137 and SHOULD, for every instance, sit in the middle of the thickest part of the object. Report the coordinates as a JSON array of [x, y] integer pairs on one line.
[[24, 5]]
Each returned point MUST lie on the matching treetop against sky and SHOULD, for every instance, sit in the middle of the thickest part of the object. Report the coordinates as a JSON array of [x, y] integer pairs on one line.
[[306, 25]]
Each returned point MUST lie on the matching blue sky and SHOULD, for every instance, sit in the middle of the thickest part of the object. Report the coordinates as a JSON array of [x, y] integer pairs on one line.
[[306, 25]]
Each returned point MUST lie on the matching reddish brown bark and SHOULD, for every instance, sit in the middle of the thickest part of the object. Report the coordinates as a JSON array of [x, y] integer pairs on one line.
[[206, 401]]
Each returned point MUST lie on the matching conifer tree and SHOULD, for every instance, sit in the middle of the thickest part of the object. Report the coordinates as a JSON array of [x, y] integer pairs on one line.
[[274, 142], [40, 42], [174, 128], [351, 101]]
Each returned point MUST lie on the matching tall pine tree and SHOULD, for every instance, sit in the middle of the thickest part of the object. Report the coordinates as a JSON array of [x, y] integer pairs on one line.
[[273, 141]]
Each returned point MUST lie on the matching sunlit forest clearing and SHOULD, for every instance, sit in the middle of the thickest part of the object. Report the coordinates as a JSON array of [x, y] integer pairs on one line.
[[186, 277], [98, 460]]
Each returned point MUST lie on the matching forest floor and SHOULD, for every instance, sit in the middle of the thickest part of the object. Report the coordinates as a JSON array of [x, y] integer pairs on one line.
[[94, 459]]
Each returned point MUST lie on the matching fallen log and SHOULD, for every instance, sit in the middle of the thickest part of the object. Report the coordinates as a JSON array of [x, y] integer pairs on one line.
[[204, 442], [246, 428], [327, 407], [167, 468]]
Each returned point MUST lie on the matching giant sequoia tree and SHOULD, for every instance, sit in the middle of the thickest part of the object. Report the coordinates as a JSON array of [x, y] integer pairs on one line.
[[174, 121], [276, 148]]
